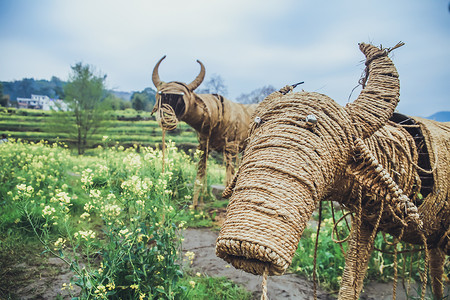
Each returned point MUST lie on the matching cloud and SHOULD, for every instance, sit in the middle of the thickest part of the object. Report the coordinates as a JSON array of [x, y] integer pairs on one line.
[[32, 61], [249, 43]]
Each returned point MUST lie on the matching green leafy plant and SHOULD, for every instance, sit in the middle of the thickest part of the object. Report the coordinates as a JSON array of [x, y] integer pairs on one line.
[[204, 287], [114, 216], [331, 257]]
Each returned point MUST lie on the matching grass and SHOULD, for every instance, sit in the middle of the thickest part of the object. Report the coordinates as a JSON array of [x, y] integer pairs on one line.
[[220, 288]]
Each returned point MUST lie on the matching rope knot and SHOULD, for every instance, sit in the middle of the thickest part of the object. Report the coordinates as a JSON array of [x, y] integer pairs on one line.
[[286, 89], [411, 211]]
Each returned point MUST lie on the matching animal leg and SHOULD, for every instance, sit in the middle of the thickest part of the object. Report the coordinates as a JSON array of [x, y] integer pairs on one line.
[[200, 180], [357, 259], [437, 258]]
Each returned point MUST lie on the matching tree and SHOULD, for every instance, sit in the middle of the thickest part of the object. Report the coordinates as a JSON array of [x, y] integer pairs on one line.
[[57, 87], [115, 103], [4, 100], [215, 85], [86, 114], [25, 87], [144, 100], [256, 96], [138, 103]]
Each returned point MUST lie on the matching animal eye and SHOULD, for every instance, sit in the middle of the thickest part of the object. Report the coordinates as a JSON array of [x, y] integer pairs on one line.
[[311, 120]]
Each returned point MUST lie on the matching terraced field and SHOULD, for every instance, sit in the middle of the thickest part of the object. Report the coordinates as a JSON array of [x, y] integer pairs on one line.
[[125, 127]]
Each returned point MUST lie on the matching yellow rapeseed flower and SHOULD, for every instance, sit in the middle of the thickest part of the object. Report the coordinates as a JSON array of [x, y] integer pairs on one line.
[[111, 286], [192, 283], [48, 210], [124, 231], [140, 237], [60, 242], [85, 234], [190, 255], [84, 215], [21, 187], [181, 225], [100, 289]]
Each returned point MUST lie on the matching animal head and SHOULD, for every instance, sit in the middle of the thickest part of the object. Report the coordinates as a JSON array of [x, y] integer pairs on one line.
[[297, 152], [178, 95]]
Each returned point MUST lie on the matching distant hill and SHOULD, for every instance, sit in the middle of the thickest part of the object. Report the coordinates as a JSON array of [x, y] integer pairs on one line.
[[27, 86], [442, 116], [53, 88], [122, 95]]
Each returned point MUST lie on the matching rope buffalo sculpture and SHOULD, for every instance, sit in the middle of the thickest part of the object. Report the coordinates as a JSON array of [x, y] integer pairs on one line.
[[389, 170], [221, 124]]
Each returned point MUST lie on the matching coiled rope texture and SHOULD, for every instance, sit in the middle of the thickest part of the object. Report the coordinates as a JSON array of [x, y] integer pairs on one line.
[[267, 212], [289, 165]]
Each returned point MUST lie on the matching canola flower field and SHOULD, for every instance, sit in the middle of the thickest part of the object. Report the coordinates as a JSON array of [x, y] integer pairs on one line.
[[114, 216]]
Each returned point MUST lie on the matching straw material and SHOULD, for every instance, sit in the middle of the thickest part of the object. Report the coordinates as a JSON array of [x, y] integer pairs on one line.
[[377, 100], [435, 209], [221, 124], [266, 216], [377, 168]]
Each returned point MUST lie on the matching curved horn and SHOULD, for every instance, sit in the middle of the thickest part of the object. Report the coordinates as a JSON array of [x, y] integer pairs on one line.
[[197, 81], [379, 97], [155, 75]]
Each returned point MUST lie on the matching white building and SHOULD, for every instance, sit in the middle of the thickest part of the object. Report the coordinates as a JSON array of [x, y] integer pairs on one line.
[[41, 102]]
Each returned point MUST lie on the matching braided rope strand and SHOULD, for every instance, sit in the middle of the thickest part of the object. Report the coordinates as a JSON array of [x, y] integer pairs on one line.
[[264, 284]]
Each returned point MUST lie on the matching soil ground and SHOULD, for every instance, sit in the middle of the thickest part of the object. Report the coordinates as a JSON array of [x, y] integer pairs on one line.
[[38, 278]]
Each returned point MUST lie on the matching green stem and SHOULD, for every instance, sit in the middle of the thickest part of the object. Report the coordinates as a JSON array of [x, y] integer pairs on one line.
[[44, 244]]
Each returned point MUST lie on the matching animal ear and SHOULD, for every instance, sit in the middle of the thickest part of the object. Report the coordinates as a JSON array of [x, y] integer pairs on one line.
[[380, 94], [155, 75], [197, 81]]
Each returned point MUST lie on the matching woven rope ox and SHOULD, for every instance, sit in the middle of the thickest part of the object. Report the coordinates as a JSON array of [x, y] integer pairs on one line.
[[389, 170], [221, 124]]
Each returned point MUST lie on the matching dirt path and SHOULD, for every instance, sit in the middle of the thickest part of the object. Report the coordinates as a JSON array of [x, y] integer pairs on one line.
[[34, 280], [202, 243], [289, 286]]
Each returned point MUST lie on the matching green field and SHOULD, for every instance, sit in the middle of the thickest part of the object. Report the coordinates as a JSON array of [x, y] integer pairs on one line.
[[115, 218], [127, 128]]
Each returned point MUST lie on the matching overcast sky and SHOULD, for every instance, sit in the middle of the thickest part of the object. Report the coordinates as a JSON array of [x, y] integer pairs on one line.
[[249, 43]]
